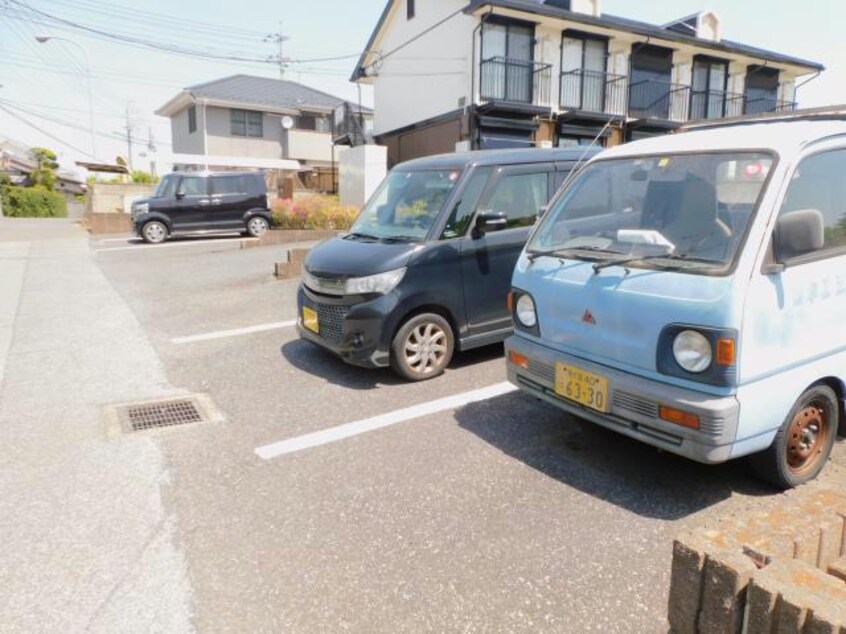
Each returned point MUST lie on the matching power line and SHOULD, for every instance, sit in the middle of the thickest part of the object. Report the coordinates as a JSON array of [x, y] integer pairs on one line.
[[44, 132]]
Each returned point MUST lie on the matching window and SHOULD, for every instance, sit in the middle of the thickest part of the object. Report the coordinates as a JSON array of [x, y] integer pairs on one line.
[[166, 186], [818, 184], [686, 211], [507, 70], [409, 9], [192, 186], [459, 219], [708, 96], [246, 123], [229, 185], [306, 122], [192, 119], [520, 197], [761, 89]]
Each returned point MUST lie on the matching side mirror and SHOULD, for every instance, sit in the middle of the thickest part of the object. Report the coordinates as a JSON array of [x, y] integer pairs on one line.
[[180, 195], [797, 233], [542, 211], [487, 221]]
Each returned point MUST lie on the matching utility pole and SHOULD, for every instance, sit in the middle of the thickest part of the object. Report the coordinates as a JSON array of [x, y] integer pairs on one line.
[[151, 147], [280, 59], [129, 129]]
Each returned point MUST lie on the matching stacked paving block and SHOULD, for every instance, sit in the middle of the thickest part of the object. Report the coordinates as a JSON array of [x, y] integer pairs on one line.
[[777, 571], [293, 266]]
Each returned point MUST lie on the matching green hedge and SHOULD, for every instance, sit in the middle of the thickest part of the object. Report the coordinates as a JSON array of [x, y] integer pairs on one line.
[[33, 202]]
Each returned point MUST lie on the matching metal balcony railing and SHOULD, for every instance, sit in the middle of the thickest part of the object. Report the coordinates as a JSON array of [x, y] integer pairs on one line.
[[762, 105], [657, 99], [593, 91], [515, 80], [351, 126], [714, 104]]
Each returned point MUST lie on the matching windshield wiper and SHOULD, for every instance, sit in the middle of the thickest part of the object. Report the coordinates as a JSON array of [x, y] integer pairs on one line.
[[561, 251], [399, 239], [657, 256], [363, 236]]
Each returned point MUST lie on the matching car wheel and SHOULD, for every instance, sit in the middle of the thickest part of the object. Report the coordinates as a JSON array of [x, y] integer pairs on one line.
[[154, 232], [803, 444], [257, 226], [422, 347]]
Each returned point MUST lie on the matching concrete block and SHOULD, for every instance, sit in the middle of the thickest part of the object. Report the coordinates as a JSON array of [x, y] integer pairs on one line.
[[838, 568], [297, 255], [686, 583], [831, 541], [793, 597], [724, 581], [282, 270]]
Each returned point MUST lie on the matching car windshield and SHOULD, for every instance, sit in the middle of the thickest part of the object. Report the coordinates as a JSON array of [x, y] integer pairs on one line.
[[684, 210], [166, 186], [406, 205]]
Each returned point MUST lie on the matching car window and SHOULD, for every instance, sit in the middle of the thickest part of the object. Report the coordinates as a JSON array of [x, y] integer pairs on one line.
[[193, 186], [520, 197], [818, 183], [229, 184], [462, 213]]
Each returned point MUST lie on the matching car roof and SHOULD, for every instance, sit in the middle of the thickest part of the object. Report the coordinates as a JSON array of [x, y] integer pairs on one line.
[[783, 137], [205, 174], [461, 160]]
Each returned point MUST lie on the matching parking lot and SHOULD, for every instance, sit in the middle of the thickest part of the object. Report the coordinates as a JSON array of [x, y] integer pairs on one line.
[[333, 498]]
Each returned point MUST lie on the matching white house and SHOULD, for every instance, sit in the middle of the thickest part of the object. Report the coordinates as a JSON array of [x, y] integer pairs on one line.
[[482, 74]]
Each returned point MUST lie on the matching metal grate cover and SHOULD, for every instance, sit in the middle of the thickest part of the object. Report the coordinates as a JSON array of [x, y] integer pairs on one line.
[[160, 414], [141, 417]]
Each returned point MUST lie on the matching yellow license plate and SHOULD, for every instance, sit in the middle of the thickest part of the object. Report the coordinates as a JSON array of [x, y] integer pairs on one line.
[[310, 319], [585, 388]]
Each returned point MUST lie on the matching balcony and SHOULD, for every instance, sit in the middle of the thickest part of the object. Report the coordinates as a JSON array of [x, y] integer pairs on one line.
[[350, 127], [593, 92], [715, 104], [657, 99], [515, 81], [761, 105]]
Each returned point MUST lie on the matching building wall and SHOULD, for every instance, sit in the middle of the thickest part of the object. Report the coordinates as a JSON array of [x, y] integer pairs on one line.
[[183, 141], [222, 143], [307, 145], [437, 138], [427, 77]]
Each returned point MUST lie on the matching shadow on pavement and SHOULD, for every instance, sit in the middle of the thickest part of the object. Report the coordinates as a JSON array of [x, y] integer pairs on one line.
[[602, 463], [313, 359]]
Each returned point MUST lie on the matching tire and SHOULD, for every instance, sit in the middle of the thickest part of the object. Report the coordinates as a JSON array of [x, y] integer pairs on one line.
[[422, 347], [257, 226], [803, 443], [154, 232]]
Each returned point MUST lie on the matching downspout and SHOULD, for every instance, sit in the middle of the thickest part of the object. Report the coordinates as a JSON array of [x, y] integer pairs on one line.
[[798, 86]]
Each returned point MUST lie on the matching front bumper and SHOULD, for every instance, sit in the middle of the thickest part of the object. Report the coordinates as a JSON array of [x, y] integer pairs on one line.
[[633, 404], [350, 327]]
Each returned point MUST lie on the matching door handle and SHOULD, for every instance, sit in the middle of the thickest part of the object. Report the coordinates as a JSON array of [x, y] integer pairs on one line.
[[204, 201]]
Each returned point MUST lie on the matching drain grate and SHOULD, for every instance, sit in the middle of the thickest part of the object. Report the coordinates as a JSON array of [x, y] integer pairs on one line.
[[160, 414], [150, 416]]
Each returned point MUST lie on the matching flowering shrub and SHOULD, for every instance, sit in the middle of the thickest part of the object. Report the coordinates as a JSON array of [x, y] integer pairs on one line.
[[312, 212]]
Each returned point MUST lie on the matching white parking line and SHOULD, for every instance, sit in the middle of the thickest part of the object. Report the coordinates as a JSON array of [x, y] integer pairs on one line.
[[333, 434], [222, 334], [181, 243]]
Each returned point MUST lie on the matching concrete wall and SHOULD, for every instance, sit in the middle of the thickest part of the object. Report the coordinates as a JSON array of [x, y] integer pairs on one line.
[[113, 197], [361, 170], [429, 76]]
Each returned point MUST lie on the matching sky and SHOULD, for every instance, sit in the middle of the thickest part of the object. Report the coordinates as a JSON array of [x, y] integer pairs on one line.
[[45, 85]]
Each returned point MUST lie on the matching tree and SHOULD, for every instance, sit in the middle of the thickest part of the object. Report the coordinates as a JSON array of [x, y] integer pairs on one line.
[[45, 174], [140, 176]]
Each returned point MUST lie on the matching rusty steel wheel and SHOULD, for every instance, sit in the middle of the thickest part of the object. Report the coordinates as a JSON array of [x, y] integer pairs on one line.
[[803, 443]]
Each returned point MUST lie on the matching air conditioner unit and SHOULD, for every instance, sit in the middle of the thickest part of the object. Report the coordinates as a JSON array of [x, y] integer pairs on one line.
[[546, 145], [462, 146]]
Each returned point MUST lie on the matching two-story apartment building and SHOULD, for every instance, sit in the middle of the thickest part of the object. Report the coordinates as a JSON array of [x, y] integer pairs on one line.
[[483, 74], [244, 121]]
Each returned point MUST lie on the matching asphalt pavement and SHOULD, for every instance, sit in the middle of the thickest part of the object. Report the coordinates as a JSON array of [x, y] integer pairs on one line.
[[412, 507]]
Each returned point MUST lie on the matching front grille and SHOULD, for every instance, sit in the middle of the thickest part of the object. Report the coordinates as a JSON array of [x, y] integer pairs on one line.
[[542, 371], [636, 404], [330, 319]]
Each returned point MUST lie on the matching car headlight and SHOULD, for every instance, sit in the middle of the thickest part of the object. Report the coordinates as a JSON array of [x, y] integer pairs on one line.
[[141, 208], [525, 311], [381, 283], [692, 351]]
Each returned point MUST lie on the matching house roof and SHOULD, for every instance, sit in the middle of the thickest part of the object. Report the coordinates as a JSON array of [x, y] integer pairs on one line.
[[606, 21], [261, 93]]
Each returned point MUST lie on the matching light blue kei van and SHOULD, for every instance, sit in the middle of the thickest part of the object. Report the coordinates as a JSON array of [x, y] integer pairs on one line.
[[689, 291]]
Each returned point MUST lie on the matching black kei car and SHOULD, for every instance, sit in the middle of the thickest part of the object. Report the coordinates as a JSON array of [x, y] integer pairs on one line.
[[426, 267], [203, 202]]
